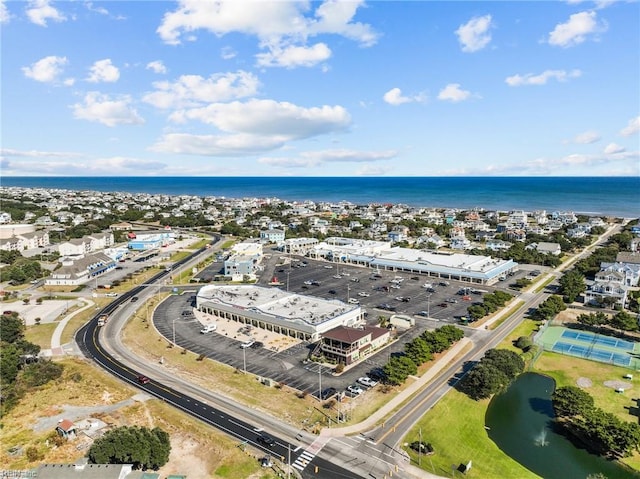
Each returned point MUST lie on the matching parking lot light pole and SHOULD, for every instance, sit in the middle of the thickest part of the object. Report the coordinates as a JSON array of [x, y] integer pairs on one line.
[[429, 305], [174, 330], [320, 382], [244, 360]]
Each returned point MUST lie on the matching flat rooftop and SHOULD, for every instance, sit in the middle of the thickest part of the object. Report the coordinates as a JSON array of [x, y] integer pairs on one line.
[[276, 303]]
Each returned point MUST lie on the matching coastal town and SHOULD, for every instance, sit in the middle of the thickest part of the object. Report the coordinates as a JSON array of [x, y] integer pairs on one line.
[[338, 289]]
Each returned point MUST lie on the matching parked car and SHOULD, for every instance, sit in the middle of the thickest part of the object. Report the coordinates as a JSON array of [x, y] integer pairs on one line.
[[443, 305], [355, 389], [111, 295], [327, 393], [363, 294], [257, 345], [367, 381], [208, 328], [247, 344], [266, 440], [423, 313], [332, 291]]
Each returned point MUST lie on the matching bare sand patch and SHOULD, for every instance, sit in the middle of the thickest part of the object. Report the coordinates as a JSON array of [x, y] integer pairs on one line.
[[584, 382], [617, 384]]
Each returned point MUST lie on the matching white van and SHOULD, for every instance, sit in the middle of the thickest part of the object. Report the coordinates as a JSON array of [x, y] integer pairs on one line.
[[208, 328]]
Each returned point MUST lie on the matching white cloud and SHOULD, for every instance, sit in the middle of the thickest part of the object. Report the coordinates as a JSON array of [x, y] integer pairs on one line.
[[5, 16], [92, 8], [269, 118], [46, 69], [475, 35], [103, 71], [452, 92], [37, 153], [576, 29], [294, 56], [632, 127], [395, 97], [216, 145], [252, 127], [156, 66], [612, 149], [227, 53], [282, 28], [194, 90], [542, 78], [317, 158], [587, 137], [102, 109], [40, 11]]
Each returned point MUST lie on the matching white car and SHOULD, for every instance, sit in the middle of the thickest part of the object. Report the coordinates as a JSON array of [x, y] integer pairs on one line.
[[208, 328], [363, 294], [247, 344], [328, 266], [355, 389], [111, 295], [367, 381], [308, 283]]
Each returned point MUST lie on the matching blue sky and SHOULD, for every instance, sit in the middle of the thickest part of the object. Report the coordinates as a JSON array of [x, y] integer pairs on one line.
[[257, 88]]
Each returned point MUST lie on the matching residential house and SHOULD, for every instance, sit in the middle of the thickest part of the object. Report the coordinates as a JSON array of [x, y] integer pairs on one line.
[[272, 235], [546, 248]]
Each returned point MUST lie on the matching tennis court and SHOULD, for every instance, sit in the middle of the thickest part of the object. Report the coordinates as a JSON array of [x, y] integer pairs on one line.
[[598, 339], [592, 353], [587, 345]]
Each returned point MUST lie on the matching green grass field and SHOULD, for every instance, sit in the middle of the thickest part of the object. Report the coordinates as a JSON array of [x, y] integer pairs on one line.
[[455, 426]]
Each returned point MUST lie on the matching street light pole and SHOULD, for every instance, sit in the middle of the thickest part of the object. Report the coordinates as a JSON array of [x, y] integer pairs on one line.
[[429, 305], [244, 360], [320, 382], [174, 331]]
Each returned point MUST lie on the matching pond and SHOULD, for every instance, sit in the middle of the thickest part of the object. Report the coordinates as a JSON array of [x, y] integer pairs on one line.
[[521, 422]]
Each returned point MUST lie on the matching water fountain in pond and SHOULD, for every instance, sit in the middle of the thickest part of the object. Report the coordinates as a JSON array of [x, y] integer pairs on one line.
[[541, 439]]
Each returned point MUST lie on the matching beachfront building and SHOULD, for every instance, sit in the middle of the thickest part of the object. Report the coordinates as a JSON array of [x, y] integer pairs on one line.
[[303, 317], [380, 255]]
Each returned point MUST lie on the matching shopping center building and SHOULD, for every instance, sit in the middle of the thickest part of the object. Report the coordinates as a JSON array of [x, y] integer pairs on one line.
[[295, 315]]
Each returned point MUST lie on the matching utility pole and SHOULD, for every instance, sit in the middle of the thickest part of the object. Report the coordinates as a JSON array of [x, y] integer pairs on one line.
[[289, 460], [420, 448]]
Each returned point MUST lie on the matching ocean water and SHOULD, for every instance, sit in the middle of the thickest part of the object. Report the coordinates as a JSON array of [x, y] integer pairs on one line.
[[615, 196]]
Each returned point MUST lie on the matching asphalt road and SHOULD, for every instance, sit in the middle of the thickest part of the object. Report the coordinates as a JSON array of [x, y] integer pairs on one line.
[[89, 338]]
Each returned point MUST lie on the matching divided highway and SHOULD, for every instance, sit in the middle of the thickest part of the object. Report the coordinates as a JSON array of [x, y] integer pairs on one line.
[[302, 462]]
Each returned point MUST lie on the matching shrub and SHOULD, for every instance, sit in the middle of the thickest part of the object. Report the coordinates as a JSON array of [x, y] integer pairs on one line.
[[339, 368], [524, 343]]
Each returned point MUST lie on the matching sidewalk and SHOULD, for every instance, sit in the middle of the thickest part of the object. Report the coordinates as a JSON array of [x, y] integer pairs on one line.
[[56, 348], [417, 385]]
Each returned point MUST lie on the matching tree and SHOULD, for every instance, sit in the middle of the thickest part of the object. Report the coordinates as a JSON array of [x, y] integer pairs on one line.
[[143, 447], [550, 307], [418, 350], [11, 328], [399, 368], [572, 285], [508, 362], [571, 401], [624, 321], [483, 381], [592, 319]]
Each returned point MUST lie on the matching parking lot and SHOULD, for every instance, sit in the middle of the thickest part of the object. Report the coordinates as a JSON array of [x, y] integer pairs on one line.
[[432, 306]]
